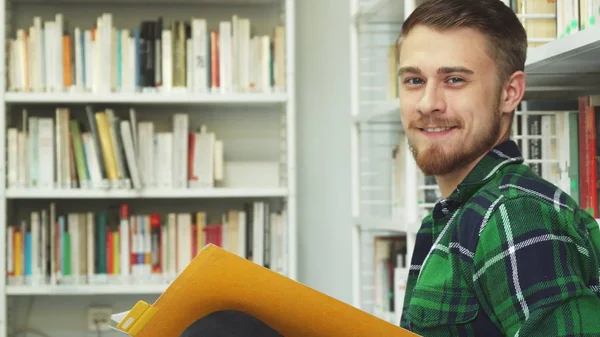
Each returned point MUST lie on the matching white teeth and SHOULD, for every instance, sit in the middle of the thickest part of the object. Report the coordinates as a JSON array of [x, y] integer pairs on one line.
[[436, 129]]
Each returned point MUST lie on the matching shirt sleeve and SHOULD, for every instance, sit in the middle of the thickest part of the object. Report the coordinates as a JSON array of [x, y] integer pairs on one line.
[[536, 269]]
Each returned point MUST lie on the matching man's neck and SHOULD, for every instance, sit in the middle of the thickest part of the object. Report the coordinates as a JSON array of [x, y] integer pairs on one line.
[[448, 182]]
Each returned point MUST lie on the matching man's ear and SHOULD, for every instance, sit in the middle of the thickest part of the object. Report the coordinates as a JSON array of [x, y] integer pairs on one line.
[[512, 92]]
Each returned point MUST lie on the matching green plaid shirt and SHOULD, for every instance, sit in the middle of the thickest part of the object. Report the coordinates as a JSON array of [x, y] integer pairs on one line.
[[506, 254]]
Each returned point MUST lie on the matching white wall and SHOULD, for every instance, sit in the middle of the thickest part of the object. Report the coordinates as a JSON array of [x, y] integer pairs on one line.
[[323, 89]]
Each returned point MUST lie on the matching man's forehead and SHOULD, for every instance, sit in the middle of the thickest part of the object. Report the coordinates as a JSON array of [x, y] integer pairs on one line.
[[430, 49]]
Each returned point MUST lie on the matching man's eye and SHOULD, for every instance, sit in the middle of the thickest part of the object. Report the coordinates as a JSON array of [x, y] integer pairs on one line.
[[455, 80], [413, 81]]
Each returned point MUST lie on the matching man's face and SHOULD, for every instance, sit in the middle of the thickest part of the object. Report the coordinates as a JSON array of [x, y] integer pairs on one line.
[[449, 97]]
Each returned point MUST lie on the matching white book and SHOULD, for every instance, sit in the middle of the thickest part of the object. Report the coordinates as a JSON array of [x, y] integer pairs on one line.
[[244, 55], [258, 233], [204, 148], [98, 59], [45, 231], [130, 155], [167, 60], [73, 225], [241, 250], [184, 241], [235, 65], [165, 155], [124, 247], [58, 52], [78, 60], [146, 153], [225, 228], [89, 60], [90, 238], [200, 57], [36, 270], [180, 150], [40, 70], [225, 75], [13, 155], [107, 50], [255, 68], [46, 166], [132, 65], [189, 64], [22, 159], [33, 152], [22, 59], [49, 56], [30, 63], [92, 160]]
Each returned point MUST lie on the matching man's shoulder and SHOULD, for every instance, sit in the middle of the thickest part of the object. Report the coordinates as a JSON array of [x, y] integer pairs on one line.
[[518, 185], [520, 195]]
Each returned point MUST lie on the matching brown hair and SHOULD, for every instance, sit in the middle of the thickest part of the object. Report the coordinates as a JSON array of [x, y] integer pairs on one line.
[[505, 33]]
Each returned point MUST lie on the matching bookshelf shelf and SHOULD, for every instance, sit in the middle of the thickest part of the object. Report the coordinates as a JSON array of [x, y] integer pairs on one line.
[[569, 65], [86, 290], [148, 2], [145, 98], [388, 111], [146, 194]]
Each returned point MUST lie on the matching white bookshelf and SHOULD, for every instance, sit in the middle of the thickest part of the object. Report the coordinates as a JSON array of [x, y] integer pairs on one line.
[[87, 290], [253, 126], [557, 73], [147, 193], [146, 98]]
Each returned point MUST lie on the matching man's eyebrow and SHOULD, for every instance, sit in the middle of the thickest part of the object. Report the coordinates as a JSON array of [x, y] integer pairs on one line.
[[408, 69], [449, 70], [441, 70]]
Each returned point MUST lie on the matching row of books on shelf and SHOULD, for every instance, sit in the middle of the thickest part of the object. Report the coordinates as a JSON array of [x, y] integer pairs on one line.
[[117, 247], [109, 152], [390, 273], [177, 56], [545, 21]]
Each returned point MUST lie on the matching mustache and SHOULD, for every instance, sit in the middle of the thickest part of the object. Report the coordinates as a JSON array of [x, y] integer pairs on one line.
[[433, 121]]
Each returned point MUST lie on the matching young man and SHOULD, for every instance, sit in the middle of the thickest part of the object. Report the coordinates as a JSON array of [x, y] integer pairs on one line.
[[504, 253]]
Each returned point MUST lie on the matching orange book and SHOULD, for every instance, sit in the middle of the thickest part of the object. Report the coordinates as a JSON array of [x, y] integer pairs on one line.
[[67, 61], [218, 280]]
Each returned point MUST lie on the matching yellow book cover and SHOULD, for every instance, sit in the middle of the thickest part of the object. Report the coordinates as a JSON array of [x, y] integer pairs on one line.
[[217, 280]]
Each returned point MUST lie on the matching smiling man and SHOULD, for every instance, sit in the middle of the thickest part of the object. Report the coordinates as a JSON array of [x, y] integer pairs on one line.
[[504, 253]]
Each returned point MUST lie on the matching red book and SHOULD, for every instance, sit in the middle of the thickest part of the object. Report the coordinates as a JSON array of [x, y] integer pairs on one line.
[[110, 253], [587, 157]]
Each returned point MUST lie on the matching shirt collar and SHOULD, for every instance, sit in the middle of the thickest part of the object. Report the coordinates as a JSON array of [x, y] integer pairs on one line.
[[505, 153]]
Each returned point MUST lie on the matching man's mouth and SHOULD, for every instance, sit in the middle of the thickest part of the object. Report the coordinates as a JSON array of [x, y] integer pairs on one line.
[[437, 129]]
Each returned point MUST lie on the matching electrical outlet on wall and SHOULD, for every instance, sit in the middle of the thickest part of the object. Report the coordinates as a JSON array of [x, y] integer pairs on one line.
[[98, 318]]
